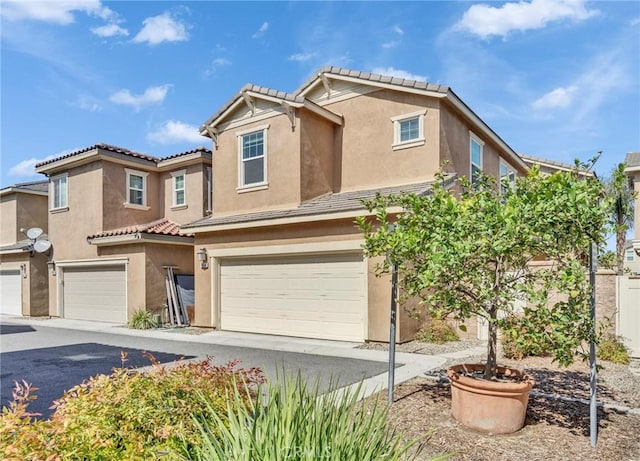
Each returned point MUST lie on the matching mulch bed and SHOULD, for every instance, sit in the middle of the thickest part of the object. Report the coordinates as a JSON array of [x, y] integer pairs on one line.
[[555, 429]]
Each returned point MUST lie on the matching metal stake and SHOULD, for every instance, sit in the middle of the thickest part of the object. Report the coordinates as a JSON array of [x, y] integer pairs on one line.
[[593, 403], [392, 332]]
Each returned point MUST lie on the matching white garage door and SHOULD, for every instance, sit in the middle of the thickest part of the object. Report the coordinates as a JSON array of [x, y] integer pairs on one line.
[[95, 293], [10, 292], [313, 297]]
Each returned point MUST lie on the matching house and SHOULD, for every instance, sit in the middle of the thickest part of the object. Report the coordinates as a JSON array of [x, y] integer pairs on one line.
[[631, 259], [113, 220], [633, 171], [280, 253], [23, 271]]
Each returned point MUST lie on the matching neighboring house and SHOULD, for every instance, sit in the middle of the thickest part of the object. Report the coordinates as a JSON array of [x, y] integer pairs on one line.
[[631, 259], [633, 170], [114, 218], [280, 253], [23, 272]]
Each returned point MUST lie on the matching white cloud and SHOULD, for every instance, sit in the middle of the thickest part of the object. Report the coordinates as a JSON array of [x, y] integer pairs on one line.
[[391, 44], [215, 65], [27, 168], [261, 31], [161, 28], [558, 98], [173, 131], [152, 95], [485, 20], [87, 103], [393, 72], [109, 30], [302, 57], [398, 30], [57, 12]]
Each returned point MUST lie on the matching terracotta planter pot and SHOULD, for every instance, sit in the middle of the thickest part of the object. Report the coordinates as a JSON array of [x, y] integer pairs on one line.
[[489, 406]]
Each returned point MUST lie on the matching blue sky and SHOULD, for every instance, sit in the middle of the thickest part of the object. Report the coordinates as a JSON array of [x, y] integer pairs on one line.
[[555, 79]]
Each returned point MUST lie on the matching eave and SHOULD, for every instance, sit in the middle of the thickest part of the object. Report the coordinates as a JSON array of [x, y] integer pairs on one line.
[[141, 237]]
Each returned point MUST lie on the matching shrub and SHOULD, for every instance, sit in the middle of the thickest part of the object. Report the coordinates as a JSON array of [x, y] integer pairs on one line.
[[125, 415], [437, 330], [295, 422], [142, 320], [612, 349]]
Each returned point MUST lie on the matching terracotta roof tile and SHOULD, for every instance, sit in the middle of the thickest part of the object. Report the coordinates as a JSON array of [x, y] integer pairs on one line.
[[196, 150], [159, 227], [101, 146], [34, 186]]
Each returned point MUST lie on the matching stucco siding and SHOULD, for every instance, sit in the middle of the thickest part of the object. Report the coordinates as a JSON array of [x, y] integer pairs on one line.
[[367, 158], [195, 195], [35, 292], [316, 156], [282, 172], [8, 223]]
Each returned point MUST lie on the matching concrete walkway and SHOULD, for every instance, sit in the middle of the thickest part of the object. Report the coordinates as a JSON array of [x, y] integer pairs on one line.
[[408, 365]]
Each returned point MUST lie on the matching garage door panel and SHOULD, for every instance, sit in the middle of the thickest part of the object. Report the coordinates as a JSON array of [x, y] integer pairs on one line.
[[319, 297], [10, 292], [96, 293]]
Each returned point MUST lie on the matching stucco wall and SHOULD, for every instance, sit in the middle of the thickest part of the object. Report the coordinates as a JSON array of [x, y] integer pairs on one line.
[[367, 158], [195, 194], [32, 212], [8, 222], [282, 174], [316, 155]]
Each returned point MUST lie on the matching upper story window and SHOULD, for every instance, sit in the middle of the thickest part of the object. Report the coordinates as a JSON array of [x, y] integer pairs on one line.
[[475, 147], [59, 192], [252, 147], [178, 178], [408, 130], [630, 254], [136, 188], [507, 177]]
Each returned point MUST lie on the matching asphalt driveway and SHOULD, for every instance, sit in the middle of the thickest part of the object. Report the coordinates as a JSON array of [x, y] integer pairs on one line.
[[56, 359]]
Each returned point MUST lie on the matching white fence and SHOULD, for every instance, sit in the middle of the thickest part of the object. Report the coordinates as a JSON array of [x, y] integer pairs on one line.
[[628, 312]]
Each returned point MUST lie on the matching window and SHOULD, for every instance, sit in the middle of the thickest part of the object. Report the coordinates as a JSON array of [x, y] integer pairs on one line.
[[253, 153], [179, 191], [507, 177], [630, 255], [476, 158], [408, 130], [136, 188], [59, 192]]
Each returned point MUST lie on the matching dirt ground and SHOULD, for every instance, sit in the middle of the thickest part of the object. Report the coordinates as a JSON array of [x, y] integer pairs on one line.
[[555, 429]]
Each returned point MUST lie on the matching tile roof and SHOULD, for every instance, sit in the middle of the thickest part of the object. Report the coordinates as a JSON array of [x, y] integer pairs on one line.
[[256, 89], [199, 149], [161, 226], [34, 186], [329, 203], [368, 76], [24, 245], [566, 166], [633, 159], [101, 146]]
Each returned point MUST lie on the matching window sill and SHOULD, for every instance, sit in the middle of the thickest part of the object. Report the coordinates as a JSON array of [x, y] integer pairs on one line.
[[136, 207], [252, 187], [59, 210], [179, 207], [408, 144]]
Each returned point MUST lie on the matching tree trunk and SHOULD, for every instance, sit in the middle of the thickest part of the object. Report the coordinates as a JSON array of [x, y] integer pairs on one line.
[[621, 238], [492, 352]]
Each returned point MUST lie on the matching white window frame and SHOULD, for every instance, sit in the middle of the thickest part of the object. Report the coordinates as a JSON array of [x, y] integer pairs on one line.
[[629, 255], [142, 174], [397, 122], [55, 182], [174, 178], [473, 138], [510, 175], [242, 187]]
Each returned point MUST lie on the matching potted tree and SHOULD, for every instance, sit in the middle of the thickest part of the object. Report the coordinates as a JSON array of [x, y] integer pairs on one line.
[[513, 255]]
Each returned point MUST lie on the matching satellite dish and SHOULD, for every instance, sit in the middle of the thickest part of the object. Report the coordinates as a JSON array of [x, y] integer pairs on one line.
[[34, 233], [42, 246]]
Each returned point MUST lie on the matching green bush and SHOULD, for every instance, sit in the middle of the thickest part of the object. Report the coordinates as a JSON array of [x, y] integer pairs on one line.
[[125, 415], [142, 320], [437, 330], [296, 422], [612, 349]]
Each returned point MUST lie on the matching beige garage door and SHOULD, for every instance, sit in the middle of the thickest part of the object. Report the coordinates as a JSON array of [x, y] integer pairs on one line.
[[95, 293], [10, 292], [313, 297]]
